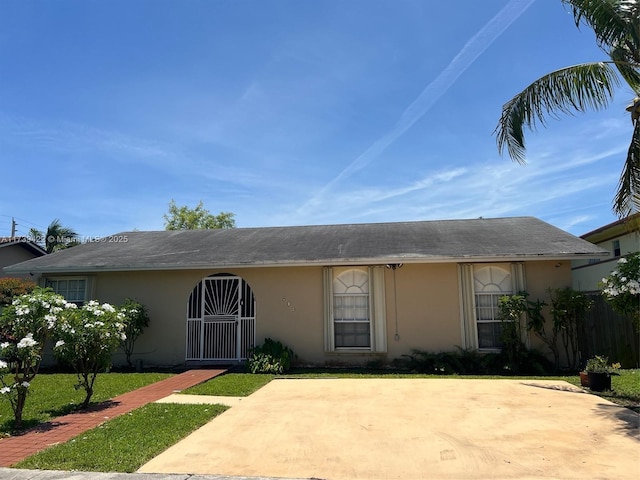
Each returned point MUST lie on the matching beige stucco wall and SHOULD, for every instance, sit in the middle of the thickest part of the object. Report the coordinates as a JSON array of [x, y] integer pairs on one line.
[[587, 276], [542, 276], [290, 308], [12, 254], [428, 309]]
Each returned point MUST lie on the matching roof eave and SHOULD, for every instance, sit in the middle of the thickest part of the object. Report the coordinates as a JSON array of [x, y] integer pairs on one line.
[[311, 263], [27, 245]]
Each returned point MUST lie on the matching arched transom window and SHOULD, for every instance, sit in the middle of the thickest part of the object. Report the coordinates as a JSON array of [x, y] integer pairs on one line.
[[352, 326], [490, 283]]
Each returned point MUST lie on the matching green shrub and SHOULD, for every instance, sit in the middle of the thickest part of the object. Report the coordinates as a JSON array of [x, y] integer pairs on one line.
[[471, 362], [528, 362], [271, 357], [441, 363]]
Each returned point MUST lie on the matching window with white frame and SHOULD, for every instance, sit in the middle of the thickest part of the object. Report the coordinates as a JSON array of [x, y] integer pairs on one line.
[[73, 289], [490, 283], [352, 324], [355, 311]]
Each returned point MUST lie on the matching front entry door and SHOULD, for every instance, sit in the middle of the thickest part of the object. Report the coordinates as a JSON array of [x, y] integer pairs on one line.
[[220, 319]]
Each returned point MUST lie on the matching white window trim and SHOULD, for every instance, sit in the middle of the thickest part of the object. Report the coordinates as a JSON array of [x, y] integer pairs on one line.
[[468, 319], [377, 311], [352, 300], [88, 284]]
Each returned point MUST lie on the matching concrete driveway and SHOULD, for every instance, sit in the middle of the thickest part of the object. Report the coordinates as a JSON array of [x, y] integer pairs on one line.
[[412, 429]]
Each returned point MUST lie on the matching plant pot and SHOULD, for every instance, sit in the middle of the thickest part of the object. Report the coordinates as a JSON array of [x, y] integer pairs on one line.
[[599, 382], [584, 379]]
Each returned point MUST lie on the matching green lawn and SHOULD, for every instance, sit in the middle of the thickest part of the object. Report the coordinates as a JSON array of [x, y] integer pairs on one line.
[[625, 388], [231, 385], [52, 395], [127, 442]]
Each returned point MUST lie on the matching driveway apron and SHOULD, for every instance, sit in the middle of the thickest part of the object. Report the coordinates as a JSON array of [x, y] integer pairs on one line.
[[413, 429]]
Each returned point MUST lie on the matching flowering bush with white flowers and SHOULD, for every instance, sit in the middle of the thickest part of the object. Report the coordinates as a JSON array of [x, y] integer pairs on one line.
[[136, 320], [25, 325], [621, 288], [86, 338]]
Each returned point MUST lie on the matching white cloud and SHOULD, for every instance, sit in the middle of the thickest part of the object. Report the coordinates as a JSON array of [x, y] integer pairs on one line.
[[492, 188], [476, 45]]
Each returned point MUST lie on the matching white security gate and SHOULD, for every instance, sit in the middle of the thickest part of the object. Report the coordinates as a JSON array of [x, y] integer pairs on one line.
[[220, 319]]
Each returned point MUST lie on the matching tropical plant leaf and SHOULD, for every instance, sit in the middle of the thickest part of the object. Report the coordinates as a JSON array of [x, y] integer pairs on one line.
[[568, 90], [628, 70], [59, 237], [616, 25], [614, 22], [627, 198]]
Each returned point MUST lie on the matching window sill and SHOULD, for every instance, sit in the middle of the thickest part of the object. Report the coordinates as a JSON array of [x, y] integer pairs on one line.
[[489, 350], [353, 351]]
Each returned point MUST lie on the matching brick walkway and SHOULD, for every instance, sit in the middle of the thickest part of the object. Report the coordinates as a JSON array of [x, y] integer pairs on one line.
[[61, 429]]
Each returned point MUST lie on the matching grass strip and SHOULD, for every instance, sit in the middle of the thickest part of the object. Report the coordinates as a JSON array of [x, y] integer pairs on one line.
[[54, 394], [127, 442], [231, 385], [625, 388]]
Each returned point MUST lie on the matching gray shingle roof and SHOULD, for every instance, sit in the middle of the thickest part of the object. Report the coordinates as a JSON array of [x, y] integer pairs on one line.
[[523, 238]]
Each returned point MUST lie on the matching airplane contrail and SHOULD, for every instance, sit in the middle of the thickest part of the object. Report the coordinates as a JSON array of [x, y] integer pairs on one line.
[[432, 93]]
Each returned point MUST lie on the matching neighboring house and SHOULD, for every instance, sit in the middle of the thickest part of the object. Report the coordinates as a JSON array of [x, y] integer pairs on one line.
[[618, 239], [605, 332], [16, 250], [335, 294]]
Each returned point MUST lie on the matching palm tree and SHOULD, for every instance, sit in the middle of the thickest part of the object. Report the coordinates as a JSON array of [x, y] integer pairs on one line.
[[57, 237], [616, 24]]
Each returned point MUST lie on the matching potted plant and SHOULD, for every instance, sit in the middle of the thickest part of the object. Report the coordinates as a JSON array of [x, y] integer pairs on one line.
[[584, 378], [599, 371]]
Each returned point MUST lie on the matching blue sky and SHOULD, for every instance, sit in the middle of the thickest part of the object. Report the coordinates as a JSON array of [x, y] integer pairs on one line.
[[290, 112]]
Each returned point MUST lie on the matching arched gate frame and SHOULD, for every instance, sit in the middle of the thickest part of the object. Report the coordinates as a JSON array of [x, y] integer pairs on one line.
[[221, 319]]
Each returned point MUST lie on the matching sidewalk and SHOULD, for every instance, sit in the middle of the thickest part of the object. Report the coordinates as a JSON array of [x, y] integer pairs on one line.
[[62, 429], [15, 474]]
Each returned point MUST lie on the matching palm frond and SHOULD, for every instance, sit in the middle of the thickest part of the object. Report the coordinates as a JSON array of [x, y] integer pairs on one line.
[[569, 90], [614, 22], [59, 236], [627, 200], [628, 68]]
